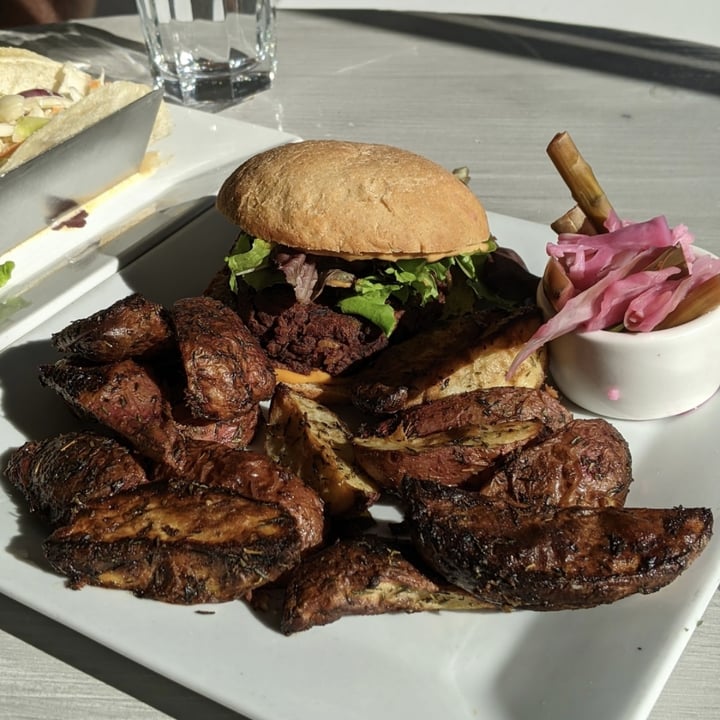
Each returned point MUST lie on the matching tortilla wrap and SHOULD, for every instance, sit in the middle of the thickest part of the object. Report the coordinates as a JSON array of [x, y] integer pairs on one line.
[[24, 70]]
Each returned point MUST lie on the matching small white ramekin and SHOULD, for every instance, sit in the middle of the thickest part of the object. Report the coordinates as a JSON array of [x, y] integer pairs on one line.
[[638, 376]]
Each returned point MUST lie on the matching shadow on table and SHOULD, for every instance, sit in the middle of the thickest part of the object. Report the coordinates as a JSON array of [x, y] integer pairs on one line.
[[107, 666], [642, 57]]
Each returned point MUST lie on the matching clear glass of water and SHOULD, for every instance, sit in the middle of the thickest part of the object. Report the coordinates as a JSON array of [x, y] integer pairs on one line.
[[210, 54]]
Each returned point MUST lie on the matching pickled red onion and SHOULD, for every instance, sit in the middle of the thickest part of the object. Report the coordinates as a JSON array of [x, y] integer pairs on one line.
[[610, 282]]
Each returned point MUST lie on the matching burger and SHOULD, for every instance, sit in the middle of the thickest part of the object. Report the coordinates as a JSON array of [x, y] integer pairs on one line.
[[345, 248]]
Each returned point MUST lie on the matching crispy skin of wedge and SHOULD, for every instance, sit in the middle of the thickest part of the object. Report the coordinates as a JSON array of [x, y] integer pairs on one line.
[[255, 476], [237, 432], [586, 463], [124, 397], [451, 456], [365, 576], [225, 368], [470, 352], [485, 406], [559, 558], [314, 443], [199, 547], [453, 438], [130, 327], [59, 475]]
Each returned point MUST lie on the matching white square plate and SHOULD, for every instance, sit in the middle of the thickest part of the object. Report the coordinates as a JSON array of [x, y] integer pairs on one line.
[[607, 662]]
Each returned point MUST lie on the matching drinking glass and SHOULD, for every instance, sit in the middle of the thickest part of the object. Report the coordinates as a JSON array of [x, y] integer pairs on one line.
[[210, 53]]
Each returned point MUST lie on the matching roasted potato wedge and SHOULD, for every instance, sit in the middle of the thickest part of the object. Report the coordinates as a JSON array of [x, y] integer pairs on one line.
[[452, 439], [485, 406], [451, 457], [551, 558], [315, 444], [470, 352], [365, 576], [587, 464], [202, 546]]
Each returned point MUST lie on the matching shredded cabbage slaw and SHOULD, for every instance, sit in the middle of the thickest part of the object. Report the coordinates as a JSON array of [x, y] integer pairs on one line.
[[23, 113]]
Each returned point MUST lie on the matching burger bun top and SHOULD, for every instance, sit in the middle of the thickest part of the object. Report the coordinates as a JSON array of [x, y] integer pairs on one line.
[[354, 200]]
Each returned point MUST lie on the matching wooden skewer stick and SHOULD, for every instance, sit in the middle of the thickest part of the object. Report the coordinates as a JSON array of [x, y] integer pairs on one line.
[[580, 179], [573, 221]]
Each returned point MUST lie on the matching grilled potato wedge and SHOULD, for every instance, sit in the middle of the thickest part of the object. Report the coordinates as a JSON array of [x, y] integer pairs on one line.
[[485, 406], [470, 352], [452, 439], [451, 457], [203, 546], [551, 558], [366, 576], [315, 444]]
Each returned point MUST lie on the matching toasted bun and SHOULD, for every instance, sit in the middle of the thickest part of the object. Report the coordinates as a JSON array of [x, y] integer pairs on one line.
[[354, 200]]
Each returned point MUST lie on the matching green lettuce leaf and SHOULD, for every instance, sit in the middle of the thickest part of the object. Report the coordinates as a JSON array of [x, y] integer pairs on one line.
[[248, 256], [419, 280], [26, 126], [372, 297], [371, 302], [6, 269]]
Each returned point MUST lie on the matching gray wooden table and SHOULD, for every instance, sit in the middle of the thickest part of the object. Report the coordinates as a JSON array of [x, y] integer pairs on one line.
[[464, 91]]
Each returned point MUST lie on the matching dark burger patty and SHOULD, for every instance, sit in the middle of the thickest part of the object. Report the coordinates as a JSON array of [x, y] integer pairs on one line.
[[305, 336], [308, 336]]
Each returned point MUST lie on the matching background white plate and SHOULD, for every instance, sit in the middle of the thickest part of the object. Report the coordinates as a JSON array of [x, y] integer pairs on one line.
[[56, 266], [607, 662]]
